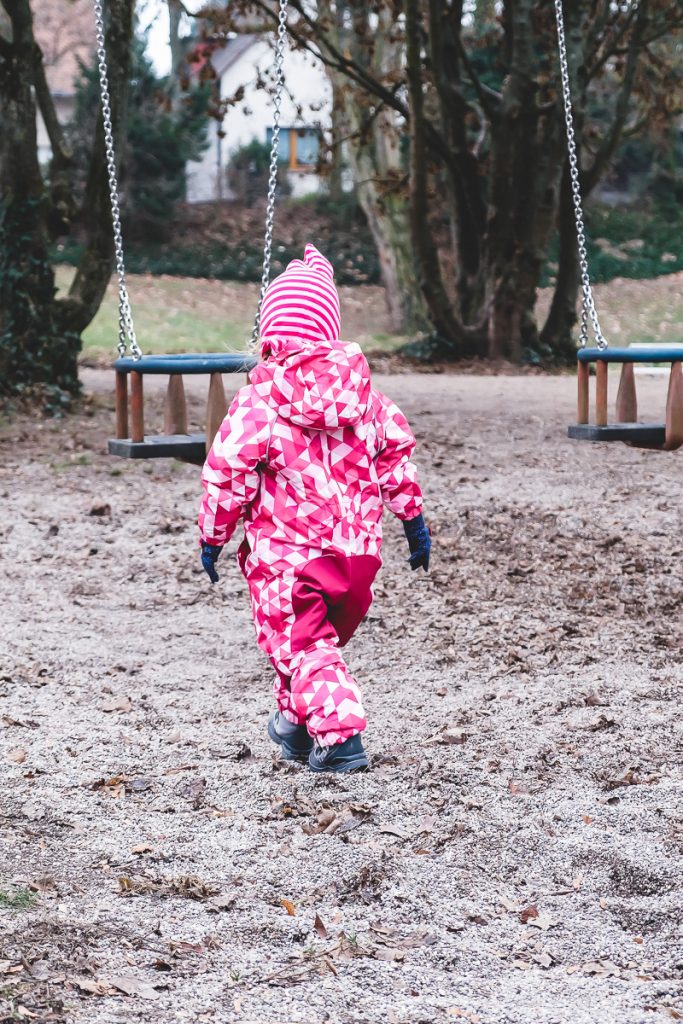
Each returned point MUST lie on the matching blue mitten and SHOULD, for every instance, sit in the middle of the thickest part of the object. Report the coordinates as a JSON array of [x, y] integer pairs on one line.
[[419, 542], [210, 553]]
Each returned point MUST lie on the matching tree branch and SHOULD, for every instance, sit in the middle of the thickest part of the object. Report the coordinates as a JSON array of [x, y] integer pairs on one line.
[[61, 152], [610, 142]]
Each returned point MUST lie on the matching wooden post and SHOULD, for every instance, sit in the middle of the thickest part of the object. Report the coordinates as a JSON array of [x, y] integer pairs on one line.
[[627, 401], [601, 393], [583, 373], [216, 408], [674, 409], [121, 404], [175, 406], [137, 414]]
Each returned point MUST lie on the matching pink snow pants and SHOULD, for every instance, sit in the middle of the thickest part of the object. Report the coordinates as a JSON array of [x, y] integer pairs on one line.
[[302, 618]]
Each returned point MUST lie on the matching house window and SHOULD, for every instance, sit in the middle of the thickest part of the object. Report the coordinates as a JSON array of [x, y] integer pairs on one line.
[[298, 148]]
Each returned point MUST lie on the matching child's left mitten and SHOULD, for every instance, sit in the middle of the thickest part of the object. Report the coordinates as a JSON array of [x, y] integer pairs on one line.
[[210, 553], [419, 542]]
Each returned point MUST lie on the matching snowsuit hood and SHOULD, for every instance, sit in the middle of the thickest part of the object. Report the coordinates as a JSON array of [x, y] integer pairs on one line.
[[309, 376], [319, 386]]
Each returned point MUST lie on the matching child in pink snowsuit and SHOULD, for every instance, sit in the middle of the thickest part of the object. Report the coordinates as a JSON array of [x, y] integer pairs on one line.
[[308, 455]]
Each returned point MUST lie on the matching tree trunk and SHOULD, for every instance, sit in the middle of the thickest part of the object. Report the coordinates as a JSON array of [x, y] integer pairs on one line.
[[557, 330], [33, 348], [39, 334]]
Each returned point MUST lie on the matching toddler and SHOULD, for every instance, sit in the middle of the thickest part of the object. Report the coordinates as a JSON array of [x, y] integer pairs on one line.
[[307, 456]]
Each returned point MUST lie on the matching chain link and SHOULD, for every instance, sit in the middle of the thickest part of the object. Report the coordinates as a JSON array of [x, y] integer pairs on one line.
[[588, 310], [280, 45], [126, 327]]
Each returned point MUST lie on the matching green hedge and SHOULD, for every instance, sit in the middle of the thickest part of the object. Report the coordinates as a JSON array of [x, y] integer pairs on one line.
[[660, 229], [354, 263]]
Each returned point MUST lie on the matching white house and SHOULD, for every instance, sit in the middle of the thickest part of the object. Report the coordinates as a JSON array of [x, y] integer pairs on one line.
[[243, 68]]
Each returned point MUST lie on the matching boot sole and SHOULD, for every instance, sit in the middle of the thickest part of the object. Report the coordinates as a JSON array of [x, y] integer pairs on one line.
[[286, 752]]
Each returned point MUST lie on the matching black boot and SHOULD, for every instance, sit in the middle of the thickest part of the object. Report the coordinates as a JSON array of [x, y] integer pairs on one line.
[[293, 740], [348, 756]]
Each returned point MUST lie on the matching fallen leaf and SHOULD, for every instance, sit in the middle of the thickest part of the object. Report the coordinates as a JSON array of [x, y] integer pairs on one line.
[[44, 884], [131, 986], [319, 926], [194, 791], [604, 968], [123, 704], [143, 848], [100, 508], [91, 985], [218, 903], [395, 830], [528, 914], [517, 788], [289, 907], [389, 953], [449, 735], [542, 921], [17, 755]]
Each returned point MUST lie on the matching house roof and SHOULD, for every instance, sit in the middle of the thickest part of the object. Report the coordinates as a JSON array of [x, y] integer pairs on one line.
[[221, 53], [65, 32]]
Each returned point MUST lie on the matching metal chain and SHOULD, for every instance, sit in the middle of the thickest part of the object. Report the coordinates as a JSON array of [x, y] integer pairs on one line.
[[280, 44], [126, 327], [588, 310]]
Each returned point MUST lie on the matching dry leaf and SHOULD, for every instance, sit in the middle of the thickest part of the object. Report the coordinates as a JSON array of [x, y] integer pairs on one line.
[[17, 755], [320, 927], [528, 914], [123, 704], [603, 968], [91, 985], [542, 921], [100, 508], [131, 986], [396, 830], [143, 848], [450, 734], [289, 907], [44, 884], [219, 903]]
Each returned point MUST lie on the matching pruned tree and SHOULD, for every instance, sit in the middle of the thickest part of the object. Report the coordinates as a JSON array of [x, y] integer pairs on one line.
[[39, 332], [475, 86]]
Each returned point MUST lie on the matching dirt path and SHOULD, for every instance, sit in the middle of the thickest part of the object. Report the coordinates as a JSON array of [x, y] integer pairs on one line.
[[514, 856]]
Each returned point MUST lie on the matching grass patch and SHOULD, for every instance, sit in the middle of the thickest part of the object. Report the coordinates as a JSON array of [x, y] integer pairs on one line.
[[18, 899]]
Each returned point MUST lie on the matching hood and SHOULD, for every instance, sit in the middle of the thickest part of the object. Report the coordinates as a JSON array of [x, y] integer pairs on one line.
[[320, 386], [302, 302]]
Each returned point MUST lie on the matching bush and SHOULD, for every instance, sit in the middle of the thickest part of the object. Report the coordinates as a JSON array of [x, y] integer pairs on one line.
[[637, 243]]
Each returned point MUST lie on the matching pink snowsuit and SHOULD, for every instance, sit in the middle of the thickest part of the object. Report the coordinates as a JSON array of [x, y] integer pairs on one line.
[[308, 455]]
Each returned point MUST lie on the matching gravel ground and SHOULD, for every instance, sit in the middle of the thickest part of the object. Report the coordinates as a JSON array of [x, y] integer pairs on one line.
[[513, 856]]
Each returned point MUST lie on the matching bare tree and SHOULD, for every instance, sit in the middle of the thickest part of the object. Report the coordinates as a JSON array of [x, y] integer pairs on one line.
[[39, 333], [476, 89]]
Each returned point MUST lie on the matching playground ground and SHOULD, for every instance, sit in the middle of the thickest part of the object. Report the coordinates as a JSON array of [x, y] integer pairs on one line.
[[515, 854]]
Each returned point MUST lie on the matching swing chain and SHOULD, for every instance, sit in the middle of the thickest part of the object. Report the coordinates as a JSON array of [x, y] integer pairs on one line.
[[280, 45], [126, 327], [588, 310]]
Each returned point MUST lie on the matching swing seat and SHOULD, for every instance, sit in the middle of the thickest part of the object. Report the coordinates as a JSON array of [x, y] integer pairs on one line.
[[666, 436], [176, 442]]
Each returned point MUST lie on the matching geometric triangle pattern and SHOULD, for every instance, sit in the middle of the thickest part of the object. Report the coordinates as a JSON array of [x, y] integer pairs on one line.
[[308, 457]]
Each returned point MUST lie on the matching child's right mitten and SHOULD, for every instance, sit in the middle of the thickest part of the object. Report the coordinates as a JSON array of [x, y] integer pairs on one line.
[[210, 553], [419, 542]]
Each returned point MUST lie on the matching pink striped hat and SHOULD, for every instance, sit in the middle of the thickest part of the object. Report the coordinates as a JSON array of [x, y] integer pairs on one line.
[[303, 301]]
